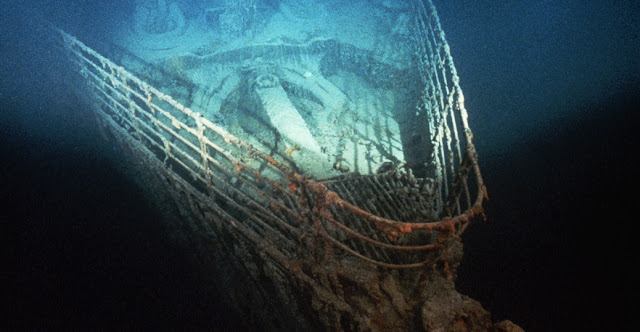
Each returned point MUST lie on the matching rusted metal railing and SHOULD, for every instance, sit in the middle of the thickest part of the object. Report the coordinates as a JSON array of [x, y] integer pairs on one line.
[[391, 219]]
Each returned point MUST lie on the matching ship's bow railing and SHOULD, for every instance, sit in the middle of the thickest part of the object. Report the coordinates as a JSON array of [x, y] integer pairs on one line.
[[391, 219]]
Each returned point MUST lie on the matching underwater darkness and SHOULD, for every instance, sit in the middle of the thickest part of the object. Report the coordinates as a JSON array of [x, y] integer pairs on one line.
[[552, 88]]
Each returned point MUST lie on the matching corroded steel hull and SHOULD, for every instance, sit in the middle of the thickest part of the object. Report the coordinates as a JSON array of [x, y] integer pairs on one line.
[[298, 240]]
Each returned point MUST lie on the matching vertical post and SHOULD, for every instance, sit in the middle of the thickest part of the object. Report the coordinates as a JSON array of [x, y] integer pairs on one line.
[[204, 153]]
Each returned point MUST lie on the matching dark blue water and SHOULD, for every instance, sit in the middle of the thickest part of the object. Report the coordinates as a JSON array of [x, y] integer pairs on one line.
[[553, 87], [552, 91]]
